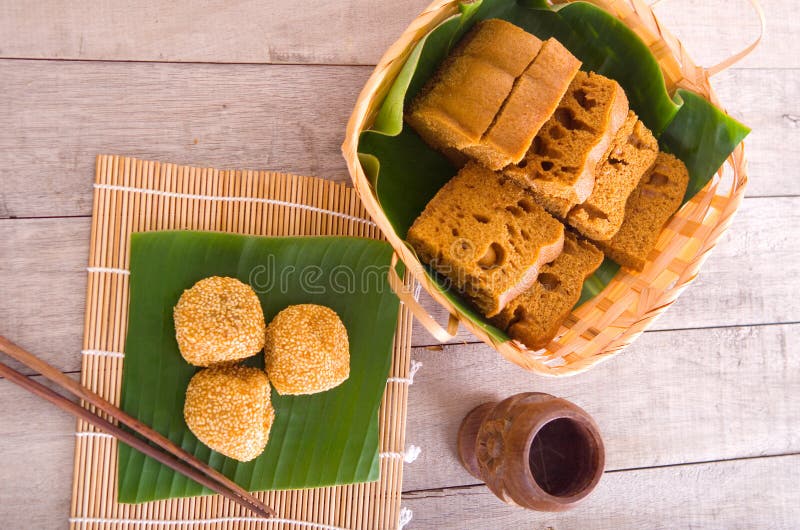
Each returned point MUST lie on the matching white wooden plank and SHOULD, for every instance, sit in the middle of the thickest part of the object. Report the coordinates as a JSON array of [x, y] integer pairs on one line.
[[37, 444], [223, 31], [672, 397], [766, 101], [346, 32], [741, 494], [750, 278], [714, 30], [43, 286], [57, 116]]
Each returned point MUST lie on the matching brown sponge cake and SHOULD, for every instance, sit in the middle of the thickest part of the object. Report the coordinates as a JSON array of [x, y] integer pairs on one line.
[[555, 205], [533, 99], [633, 152], [456, 111], [486, 235], [501, 43], [533, 318], [562, 159], [658, 195], [456, 107]]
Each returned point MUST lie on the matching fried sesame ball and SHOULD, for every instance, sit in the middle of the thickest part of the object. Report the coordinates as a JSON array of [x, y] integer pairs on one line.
[[219, 320], [228, 408], [306, 350]]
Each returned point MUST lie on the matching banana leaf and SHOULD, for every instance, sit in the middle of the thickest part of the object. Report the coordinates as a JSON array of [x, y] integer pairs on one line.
[[317, 440], [406, 173]]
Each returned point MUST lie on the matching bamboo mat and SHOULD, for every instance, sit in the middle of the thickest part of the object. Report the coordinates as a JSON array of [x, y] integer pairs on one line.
[[136, 196]]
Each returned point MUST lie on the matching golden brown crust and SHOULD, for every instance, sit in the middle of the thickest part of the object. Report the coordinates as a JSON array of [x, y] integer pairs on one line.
[[487, 236], [461, 106], [307, 350], [502, 43], [461, 100], [228, 408], [533, 99], [218, 320]]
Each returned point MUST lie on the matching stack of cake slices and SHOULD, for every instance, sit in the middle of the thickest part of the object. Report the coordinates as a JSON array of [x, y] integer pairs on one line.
[[556, 171]]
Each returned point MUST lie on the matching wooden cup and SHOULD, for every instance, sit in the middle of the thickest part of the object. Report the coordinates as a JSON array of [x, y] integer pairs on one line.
[[533, 450]]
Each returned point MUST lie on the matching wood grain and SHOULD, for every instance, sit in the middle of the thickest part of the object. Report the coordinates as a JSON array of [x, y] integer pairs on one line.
[[346, 32], [220, 31], [766, 101], [737, 286], [43, 289], [740, 494], [37, 442], [714, 30], [57, 116], [671, 397]]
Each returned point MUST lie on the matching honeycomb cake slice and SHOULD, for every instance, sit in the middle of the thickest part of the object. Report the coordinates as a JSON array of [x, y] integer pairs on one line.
[[555, 205], [562, 159], [486, 236], [456, 107], [533, 99], [631, 155], [633, 152], [658, 196], [534, 317]]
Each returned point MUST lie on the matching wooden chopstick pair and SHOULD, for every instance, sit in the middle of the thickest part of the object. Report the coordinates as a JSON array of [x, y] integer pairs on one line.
[[166, 451]]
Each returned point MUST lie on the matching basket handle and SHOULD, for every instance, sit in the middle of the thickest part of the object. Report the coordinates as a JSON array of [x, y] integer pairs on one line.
[[735, 58], [406, 296]]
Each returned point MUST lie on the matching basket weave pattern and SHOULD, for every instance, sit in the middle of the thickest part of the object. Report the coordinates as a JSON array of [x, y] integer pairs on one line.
[[629, 304]]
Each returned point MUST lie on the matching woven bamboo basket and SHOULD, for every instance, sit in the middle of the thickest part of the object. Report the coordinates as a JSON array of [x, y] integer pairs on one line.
[[610, 321]]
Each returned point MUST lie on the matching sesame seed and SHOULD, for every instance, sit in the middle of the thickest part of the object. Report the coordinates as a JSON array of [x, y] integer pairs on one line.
[[306, 350], [228, 408], [217, 320]]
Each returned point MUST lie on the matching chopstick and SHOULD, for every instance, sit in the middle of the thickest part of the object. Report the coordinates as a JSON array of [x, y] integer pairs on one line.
[[170, 454]]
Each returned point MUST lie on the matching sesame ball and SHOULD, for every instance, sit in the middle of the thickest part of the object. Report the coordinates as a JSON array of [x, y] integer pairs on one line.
[[228, 408], [219, 320], [306, 350]]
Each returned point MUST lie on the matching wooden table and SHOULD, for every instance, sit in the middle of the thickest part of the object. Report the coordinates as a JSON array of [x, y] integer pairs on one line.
[[701, 416]]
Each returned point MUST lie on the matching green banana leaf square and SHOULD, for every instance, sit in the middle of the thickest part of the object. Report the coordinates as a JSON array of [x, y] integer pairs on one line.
[[317, 440]]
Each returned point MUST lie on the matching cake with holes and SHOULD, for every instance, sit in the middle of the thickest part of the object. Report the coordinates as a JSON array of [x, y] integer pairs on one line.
[[557, 173], [562, 160], [633, 152], [534, 317], [486, 236], [658, 195]]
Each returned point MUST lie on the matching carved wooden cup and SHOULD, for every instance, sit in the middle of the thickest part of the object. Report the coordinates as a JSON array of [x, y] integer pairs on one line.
[[533, 450]]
